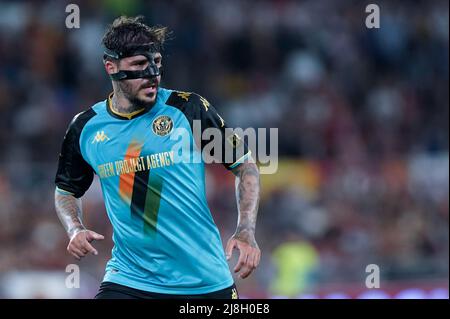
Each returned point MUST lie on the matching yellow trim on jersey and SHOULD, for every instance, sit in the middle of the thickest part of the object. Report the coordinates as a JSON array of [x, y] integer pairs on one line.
[[239, 161], [63, 192], [127, 115]]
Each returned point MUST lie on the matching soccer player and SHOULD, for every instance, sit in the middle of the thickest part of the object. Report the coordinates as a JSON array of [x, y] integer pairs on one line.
[[166, 244]]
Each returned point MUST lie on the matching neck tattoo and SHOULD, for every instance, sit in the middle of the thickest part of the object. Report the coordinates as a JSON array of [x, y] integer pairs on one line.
[[124, 110]]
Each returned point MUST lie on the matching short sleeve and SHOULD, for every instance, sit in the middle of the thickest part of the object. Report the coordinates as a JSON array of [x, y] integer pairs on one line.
[[74, 175], [234, 149]]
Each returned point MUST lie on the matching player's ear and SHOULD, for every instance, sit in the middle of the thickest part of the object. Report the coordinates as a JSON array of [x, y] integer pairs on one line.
[[111, 66]]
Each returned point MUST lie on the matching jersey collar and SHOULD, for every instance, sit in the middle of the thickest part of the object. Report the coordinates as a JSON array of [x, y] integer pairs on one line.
[[123, 116]]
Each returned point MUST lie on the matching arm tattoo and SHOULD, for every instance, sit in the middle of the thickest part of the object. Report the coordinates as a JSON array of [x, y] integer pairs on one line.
[[247, 197], [68, 209]]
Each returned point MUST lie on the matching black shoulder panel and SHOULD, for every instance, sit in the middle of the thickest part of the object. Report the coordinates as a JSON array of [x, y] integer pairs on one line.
[[74, 174]]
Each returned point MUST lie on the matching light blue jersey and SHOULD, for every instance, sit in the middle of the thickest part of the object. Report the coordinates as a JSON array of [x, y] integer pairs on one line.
[[165, 239]]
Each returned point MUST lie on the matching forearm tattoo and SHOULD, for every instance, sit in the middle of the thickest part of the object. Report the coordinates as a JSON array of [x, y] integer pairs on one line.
[[68, 209], [247, 197]]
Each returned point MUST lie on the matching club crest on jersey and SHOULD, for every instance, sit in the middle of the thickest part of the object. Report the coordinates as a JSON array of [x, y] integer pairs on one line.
[[162, 125]]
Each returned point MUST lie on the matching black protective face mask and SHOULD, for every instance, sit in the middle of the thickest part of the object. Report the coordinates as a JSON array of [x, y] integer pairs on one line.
[[147, 50]]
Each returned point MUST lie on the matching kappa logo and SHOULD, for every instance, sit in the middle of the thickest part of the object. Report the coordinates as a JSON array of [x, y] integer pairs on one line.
[[234, 294], [234, 140], [205, 103], [100, 137], [184, 95]]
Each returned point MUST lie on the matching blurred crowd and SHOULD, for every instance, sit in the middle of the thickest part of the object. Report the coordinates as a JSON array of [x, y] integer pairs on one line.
[[362, 118]]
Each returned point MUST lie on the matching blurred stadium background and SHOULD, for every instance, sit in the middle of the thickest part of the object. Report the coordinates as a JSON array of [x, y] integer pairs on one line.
[[362, 115]]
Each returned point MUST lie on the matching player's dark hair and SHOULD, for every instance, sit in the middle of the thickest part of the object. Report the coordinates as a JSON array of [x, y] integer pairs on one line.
[[131, 31]]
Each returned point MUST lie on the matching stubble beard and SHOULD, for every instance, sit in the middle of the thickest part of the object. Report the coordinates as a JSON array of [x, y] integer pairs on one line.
[[136, 103]]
